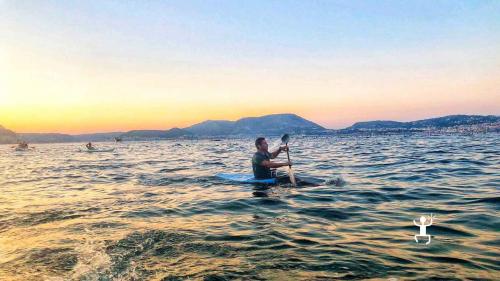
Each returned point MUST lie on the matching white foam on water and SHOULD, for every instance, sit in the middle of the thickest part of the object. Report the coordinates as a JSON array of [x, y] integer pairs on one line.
[[94, 263], [338, 181], [92, 259]]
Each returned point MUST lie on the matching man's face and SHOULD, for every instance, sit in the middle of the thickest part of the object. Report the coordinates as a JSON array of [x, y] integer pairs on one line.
[[263, 145]]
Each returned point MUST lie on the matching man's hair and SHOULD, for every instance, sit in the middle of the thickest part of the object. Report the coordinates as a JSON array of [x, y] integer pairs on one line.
[[259, 141]]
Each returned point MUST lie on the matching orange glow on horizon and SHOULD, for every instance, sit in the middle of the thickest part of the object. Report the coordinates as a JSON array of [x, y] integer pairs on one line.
[[43, 91]]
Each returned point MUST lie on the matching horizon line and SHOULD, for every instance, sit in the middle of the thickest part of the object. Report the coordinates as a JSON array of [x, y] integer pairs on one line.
[[177, 127]]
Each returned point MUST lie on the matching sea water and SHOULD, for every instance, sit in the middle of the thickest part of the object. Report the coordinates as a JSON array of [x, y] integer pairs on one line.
[[155, 211]]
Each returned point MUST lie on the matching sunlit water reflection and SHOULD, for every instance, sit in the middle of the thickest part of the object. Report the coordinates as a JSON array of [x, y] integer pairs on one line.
[[154, 211]]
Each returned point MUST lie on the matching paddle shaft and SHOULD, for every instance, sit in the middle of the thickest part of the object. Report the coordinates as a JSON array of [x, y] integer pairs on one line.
[[290, 172], [288, 155]]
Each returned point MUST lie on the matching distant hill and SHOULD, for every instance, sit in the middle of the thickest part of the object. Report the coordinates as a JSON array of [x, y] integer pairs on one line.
[[273, 124], [439, 122], [7, 136], [46, 137], [211, 128], [379, 124], [155, 134], [55, 137], [454, 120]]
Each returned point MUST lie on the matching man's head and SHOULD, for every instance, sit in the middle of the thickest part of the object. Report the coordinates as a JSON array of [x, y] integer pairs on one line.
[[261, 144]]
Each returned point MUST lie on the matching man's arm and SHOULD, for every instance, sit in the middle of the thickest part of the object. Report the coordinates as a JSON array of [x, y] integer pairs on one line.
[[277, 152], [272, 165]]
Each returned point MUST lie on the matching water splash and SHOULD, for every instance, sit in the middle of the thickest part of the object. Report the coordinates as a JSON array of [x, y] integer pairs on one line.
[[337, 181], [93, 261]]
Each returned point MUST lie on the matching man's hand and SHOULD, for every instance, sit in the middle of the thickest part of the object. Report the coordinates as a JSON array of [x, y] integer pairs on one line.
[[278, 151]]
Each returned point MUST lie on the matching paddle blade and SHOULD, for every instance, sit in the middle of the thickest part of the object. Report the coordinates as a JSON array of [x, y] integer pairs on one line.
[[285, 138], [292, 177]]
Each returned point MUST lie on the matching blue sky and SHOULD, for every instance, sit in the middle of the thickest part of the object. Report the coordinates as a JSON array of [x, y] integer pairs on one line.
[[348, 52], [254, 29]]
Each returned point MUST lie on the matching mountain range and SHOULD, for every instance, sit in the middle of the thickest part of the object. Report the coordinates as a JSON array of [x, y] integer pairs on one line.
[[439, 122], [268, 125], [265, 125], [274, 124]]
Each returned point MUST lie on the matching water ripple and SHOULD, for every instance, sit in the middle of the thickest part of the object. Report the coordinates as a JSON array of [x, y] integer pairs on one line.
[[155, 211]]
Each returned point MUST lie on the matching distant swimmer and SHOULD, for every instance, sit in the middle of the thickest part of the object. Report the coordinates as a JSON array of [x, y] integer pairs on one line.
[[89, 146]]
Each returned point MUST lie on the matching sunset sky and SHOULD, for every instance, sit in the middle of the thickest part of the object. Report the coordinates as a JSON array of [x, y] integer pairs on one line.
[[96, 66]]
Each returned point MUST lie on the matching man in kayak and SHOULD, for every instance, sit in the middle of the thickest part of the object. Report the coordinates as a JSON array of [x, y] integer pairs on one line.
[[261, 161], [89, 146], [22, 146]]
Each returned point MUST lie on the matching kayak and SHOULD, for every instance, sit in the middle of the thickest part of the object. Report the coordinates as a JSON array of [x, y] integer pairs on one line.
[[283, 179], [21, 149], [245, 178], [97, 150]]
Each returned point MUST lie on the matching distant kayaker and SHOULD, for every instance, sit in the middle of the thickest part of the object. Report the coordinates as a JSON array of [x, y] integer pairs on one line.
[[261, 163], [89, 146], [22, 145]]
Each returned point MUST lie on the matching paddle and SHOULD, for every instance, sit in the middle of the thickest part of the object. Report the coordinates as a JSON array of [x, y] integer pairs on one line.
[[284, 139]]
